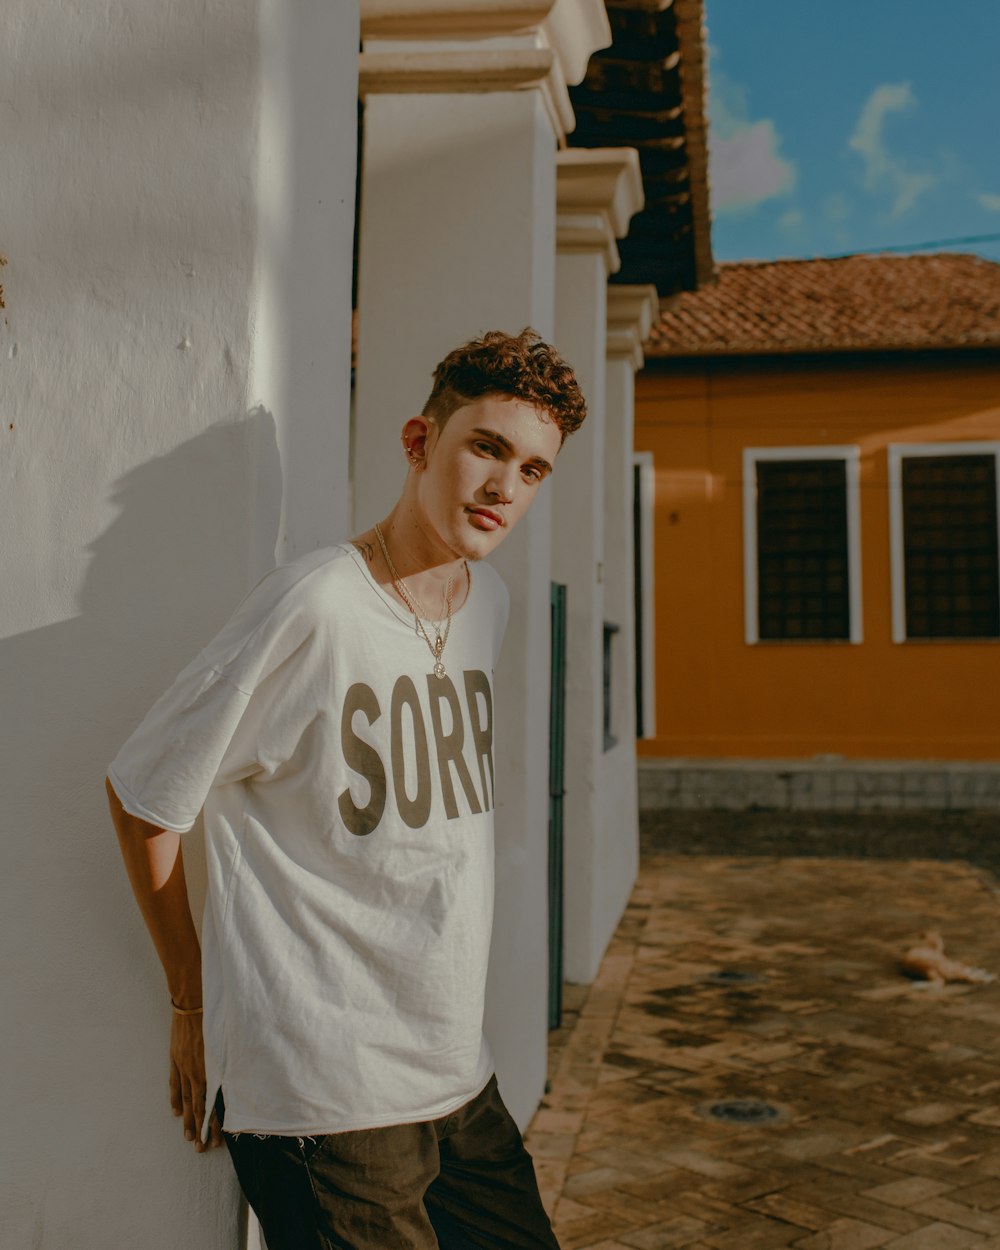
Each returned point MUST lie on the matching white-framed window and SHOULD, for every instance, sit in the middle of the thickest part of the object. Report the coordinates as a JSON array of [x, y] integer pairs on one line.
[[801, 544], [644, 505], [945, 540]]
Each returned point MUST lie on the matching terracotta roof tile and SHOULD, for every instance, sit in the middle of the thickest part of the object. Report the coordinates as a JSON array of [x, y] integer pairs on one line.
[[855, 303]]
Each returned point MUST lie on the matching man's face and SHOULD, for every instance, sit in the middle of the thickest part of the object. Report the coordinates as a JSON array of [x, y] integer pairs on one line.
[[482, 471]]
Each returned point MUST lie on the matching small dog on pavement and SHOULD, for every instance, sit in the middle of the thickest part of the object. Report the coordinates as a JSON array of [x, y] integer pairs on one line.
[[926, 961]]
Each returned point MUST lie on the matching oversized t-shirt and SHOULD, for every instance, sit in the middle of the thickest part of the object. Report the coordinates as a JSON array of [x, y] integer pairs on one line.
[[348, 799]]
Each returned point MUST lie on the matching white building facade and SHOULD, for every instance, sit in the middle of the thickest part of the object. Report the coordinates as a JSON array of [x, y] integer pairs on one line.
[[179, 213]]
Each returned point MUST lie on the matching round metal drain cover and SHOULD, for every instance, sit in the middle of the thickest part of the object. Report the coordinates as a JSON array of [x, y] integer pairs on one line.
[[744, 1111], [732, 976]]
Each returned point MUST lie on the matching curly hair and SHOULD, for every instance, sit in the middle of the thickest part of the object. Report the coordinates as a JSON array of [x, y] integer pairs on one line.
[[519, 366]]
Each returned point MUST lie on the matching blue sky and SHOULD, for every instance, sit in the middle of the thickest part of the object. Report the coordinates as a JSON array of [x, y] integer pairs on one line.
[[847, 125]]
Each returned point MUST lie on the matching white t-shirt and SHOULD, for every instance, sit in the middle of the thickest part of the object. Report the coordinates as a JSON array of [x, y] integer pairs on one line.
[[348, 809]]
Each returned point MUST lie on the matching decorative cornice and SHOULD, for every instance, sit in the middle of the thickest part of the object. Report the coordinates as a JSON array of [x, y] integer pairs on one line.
[[445, 56], [574, 29], [603, 179], [632, 311], [587, 232], [446, 73], [577, 29], [598, 191], [464, 71], [451, 19]]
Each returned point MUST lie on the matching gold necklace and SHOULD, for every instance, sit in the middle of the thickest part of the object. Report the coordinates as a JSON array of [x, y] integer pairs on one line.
[[413, 603]]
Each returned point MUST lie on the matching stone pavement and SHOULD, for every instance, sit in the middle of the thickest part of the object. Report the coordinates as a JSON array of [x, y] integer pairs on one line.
[[766, 988]]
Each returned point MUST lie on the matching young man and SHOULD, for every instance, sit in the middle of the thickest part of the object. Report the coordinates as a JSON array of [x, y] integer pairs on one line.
[[338, 734]]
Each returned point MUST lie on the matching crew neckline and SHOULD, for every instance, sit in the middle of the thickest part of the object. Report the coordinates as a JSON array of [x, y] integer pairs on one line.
[[395, 608]]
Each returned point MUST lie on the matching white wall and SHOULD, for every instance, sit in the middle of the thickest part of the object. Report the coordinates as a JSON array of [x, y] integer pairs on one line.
[[619, 802], [143, 478]]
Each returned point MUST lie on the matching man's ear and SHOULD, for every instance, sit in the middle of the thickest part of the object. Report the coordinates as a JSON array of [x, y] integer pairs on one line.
[[416, 436]]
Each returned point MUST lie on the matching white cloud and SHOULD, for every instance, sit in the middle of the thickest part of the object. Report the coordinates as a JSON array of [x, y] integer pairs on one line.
[[990, 202], [883, 171], [746, 167]]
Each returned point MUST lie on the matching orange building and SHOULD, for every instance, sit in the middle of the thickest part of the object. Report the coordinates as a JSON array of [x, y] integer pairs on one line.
[[824, 443]]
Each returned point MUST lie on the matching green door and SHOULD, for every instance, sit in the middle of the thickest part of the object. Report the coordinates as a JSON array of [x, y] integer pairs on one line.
[[557, 757]]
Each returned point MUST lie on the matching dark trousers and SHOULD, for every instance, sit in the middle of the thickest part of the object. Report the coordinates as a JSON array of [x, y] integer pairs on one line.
[[459, 1182]]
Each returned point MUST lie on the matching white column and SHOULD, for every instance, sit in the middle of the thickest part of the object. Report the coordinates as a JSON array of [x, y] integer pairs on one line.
[[599, 190], [458, 237], [305, 181], [631, 312]]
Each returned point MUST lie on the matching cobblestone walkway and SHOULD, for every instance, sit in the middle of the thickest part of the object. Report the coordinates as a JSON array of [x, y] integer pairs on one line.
[[868, 1104]]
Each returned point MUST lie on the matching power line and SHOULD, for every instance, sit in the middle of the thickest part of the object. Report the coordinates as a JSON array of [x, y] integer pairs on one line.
[[916, 247]]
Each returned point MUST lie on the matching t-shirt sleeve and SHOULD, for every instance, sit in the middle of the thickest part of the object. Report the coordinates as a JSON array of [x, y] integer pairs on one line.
[[188, 741]]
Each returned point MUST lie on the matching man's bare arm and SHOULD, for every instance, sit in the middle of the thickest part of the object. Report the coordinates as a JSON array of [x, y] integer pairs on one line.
[[155, 868]]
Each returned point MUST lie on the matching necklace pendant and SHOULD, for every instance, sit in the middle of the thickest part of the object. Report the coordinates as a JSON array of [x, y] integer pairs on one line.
[[438, 644], [440, 671]]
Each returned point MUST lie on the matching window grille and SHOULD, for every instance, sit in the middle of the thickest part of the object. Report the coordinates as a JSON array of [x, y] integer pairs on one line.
[[803, 573], [951, 570]]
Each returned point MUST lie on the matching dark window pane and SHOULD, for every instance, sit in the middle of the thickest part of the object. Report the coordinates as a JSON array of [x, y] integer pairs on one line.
[[802, 560], [950, 558]]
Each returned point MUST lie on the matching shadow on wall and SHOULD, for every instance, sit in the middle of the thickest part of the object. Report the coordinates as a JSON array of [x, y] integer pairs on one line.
[[88, 1122]]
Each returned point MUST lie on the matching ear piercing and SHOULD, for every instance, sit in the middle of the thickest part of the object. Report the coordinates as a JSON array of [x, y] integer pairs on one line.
[[411, 455]]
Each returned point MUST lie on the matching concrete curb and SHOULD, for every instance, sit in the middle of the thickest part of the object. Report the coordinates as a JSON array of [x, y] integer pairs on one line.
[[817, 785]]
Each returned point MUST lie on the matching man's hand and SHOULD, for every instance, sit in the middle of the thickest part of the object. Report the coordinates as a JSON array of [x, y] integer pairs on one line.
[[156, 871], [187, 1080]]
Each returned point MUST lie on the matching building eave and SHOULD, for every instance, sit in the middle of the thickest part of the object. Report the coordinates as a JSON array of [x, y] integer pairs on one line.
[[647, 91]]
